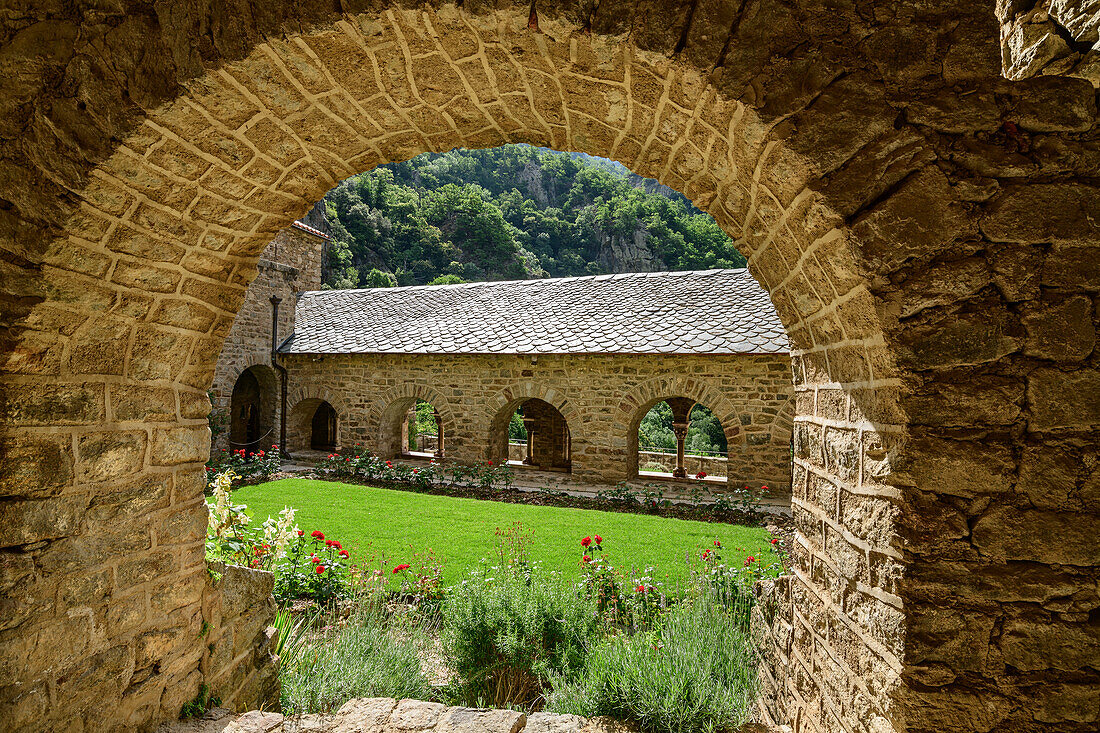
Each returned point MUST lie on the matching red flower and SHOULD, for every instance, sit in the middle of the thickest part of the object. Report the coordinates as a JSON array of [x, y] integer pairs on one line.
[[260, 453], [599, 540], [320, 569], [749, 560], [337, 545], [705, 553], [490, 463], [775, 540], [399, 568], [301, 533], [317, 534], [763, 488], [331, 455], [640, 589], [344, 553], [586, 542], [718, 544], [414, 470], [586, 558]]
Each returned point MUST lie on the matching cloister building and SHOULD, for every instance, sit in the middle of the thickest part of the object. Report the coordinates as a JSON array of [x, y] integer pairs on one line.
[[584, 358]]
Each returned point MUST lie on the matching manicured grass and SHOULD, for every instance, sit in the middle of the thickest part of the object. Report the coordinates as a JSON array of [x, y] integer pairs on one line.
[[372, 522]]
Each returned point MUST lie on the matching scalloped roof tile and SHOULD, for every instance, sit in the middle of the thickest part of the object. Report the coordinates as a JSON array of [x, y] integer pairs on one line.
[[697, 312]]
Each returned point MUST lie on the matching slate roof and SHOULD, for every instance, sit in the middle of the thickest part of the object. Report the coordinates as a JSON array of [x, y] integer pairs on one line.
[[700, 312]]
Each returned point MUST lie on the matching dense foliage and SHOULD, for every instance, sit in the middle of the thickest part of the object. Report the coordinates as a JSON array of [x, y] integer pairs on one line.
[[511, 212], [705, 434]]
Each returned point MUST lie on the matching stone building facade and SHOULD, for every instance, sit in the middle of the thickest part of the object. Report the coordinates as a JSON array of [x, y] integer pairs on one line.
[[245, 393], [602, 399], [925, 226], [584, 358]]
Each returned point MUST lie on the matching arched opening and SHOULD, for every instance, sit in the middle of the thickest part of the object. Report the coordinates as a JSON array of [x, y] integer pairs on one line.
[[679, 438], [313, 424], [533, 434], [252, 410], [322, 432], [412, 427]]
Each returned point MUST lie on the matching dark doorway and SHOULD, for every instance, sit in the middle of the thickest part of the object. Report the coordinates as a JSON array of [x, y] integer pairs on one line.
[[251, 412], [323, 431]]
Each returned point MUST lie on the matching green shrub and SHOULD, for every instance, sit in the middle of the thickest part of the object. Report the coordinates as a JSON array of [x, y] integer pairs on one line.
[[361, 660], [505, 635], [694, 673]]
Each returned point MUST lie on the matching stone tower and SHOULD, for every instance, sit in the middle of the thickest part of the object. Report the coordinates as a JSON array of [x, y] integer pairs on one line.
[[245, 393]]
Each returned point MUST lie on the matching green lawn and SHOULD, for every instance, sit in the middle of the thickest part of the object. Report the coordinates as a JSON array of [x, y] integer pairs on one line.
[[372, 522]]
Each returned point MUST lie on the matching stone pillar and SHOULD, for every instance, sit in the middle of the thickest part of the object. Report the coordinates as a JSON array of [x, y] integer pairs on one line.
[[438, 433], [680, 430], [404, 447], [681, 417], [529, 425]]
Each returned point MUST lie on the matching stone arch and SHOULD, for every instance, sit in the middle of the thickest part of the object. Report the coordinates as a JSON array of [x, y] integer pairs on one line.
[[143, 181], [388, 410], [302, 404], [783, 424], [501, 406], [637, 402], [264, 432]]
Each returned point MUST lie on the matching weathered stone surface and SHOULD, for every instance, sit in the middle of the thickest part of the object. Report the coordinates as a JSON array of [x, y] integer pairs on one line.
[[1005, 532], [1063, 399], [1061, 331]]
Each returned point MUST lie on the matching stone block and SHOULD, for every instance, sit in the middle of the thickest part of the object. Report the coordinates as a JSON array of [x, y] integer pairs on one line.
[[23, 522], [1044, 212], [469, 720], [957, 467], [553, 723], [52, 404], [919, 220], [1077, 702], [364, 715], [414, 716], [1054, 104], [1064, 538], [1061, 331], [173, 446], [1040, 643], [150, 404], [242, 588], [1063, 399], [110, 455], [137, 570]]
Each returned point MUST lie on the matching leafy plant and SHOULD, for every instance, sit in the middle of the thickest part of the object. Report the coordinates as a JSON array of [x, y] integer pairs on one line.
[[315, 568], [363, 659], [506, 635]]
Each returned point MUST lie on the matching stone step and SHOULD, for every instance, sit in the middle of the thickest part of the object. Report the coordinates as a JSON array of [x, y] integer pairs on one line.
[[386, 715]]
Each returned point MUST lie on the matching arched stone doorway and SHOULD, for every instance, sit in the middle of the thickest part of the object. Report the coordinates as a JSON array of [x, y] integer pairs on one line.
[[674, 438], [547, 443], [322, 433], [252, 411], [313, 424], [919, 223], [412, 427]]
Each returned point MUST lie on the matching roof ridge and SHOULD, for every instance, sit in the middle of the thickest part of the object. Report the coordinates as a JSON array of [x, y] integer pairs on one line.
[[570, 278]]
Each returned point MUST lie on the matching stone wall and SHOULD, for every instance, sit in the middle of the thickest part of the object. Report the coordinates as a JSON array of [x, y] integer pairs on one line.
[[926, 229], [238, 663], [603, 398], [290, 264]]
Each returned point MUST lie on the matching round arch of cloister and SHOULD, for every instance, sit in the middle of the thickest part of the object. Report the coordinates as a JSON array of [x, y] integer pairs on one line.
[[500, 407], [302, 403], [636, 403], [389, 410], [926, 230]]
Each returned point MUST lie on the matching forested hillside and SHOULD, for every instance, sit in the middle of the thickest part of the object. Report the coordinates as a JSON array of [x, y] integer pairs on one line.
[[510, 213]]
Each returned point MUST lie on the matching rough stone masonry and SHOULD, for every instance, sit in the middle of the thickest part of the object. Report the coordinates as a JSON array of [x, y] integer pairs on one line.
[[926, 228]]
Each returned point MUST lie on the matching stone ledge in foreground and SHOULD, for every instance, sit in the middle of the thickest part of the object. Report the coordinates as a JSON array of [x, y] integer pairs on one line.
[[386, 715]]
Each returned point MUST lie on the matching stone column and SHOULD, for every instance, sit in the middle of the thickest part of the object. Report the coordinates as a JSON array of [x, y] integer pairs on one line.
[[438, 433], [681, 417], [680, 430], [529, 425]]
